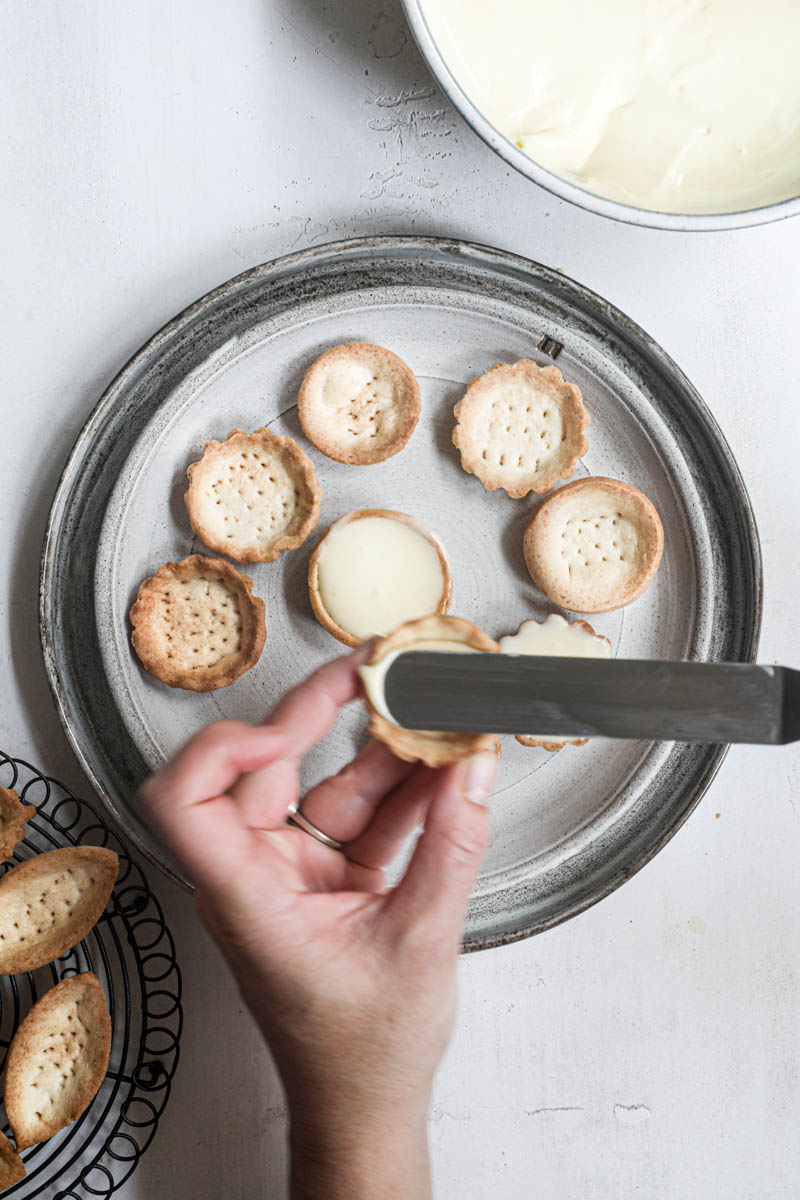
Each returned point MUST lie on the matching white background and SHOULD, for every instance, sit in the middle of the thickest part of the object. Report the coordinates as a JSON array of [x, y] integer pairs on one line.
[[149, 151]]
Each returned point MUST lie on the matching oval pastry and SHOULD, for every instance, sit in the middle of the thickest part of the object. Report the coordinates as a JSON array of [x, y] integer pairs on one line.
[[57, 1059], [197, 625], [375, 569], [452, 634], [13, 817], [594, 545], [253, 495], [50, 902], [359, 403], [12, 1168], [521, 427]]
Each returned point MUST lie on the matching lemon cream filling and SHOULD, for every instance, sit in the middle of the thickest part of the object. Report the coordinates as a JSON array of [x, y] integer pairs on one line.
[[689, 106], [375, 573]]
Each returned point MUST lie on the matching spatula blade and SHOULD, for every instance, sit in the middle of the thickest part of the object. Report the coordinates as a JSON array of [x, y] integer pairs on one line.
[[579, 697]]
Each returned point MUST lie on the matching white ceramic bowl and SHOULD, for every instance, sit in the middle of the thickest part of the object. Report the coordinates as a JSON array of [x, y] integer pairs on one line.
[[557, 184]]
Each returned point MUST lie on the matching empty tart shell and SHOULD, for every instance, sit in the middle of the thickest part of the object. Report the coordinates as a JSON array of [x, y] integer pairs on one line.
[[315, 593], [50, 902], [594, 545], [359, 403], [13, 817], [521, 427], [253, 495], [197, 625], [12, 1168], [433, 749], [57, 1059]]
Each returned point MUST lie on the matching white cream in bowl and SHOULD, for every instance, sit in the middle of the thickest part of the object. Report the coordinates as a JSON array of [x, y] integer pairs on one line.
[[678, 106]]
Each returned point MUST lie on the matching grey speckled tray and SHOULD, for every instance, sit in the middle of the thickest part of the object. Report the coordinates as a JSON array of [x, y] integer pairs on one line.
[[567, 828]]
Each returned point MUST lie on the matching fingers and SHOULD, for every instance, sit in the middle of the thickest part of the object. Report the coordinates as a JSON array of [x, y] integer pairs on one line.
[[186, 799], [208, 839], [212, 761], [395, 819], [325, 870], [263, 797], [437, 884], [301, 718], [344, 805], [232, 775], [309, 711]]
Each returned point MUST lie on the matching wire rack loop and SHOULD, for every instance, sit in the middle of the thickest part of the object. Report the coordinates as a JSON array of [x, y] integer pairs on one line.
[[132, 952]]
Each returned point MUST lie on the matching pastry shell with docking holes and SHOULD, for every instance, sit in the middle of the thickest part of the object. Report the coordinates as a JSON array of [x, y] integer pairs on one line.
[[50, 902], [521, 427], [197, 624], [359, 403], [57, 1060], [253, 495], [433, 749], [594, 545], [315, 583], [12, 1168]]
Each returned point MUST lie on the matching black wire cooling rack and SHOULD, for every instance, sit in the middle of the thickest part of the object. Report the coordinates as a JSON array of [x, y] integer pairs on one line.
[[132, 953]]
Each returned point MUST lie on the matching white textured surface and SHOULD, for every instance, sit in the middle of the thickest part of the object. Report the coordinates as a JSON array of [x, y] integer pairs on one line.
[[651, 1047]]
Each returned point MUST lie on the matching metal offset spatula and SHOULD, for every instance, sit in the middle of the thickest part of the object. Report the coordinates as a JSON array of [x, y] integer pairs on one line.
[[584, 697]]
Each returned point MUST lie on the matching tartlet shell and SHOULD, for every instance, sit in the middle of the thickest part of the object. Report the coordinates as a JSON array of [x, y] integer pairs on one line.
[[144, 619], [12, 1168], [433, 749], [33, 1039], [523, 738], [297, 465], [20, 891], [473, 435], [13, 817], [539, 556], [407, 405]]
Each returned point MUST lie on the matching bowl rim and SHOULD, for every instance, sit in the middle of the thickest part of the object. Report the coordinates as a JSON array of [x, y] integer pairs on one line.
[[557, 185]]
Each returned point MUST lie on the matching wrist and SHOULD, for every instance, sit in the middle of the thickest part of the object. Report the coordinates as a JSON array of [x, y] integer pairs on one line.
[[339, 1152], [351, 1113]]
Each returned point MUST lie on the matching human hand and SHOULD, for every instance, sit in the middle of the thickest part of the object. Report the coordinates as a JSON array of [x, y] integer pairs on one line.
[[353, 986]]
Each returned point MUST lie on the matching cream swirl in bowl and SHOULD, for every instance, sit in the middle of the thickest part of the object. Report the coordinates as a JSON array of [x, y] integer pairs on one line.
[[674, 106]]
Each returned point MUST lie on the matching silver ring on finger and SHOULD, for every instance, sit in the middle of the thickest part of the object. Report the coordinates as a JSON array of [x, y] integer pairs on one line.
[[296, 817]]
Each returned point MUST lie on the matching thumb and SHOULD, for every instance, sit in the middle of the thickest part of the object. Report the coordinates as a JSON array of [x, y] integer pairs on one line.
[[439, 878]]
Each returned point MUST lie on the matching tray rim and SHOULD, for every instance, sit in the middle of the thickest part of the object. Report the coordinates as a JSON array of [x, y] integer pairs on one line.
[[472, 252]]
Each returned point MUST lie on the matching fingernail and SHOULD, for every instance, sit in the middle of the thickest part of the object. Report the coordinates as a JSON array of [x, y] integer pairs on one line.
[[480, 774]]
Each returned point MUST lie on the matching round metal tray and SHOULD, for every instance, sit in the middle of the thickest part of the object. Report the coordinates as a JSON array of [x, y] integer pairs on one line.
[[567, 828]]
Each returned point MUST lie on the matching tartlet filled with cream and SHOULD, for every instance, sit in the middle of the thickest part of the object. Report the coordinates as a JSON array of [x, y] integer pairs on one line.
[[374, 570], [443, 634]]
